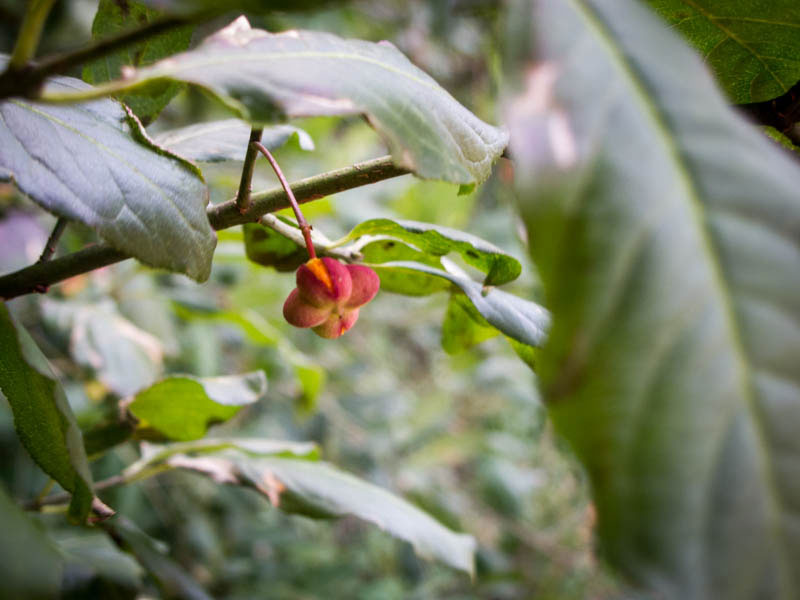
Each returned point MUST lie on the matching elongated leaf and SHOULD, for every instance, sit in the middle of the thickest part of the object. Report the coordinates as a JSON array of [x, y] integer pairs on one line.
[[217, 141], [92, 163], [667, 234], [263, 77], [435, 240], [30, 566], [752, 46], [114, 17], [319, 490], [124, 357], [522, 320], [42, 416], [182, 408], [170, 577]]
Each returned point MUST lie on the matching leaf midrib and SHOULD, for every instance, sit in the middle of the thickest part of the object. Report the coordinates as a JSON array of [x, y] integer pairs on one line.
[[632, 74]]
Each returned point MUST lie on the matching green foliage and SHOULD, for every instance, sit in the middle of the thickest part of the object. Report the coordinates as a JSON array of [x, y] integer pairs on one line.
[[751, 46], [182, 408], [118, 171], [114, 17], [42, 416], [438, 241], [671, 363]]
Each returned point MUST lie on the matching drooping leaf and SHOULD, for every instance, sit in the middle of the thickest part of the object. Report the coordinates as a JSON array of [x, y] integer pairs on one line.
[[263, 77], [94, 566], [522, 320], [182, 408], [170, 577], [668, 241], [93, 163], [265, 246], [321, 491], [124, 357], [218, 141], [30, 565], [114, 17], [751, 46], [437, 241], [42, 417], [463, 326]]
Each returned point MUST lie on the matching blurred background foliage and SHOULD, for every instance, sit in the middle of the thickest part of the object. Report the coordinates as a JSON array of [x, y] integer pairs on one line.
[[462, 435]]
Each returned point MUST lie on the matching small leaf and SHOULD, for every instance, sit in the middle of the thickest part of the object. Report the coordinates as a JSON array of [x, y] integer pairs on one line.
[[267, 247], [522, 320], [182, 408], [93, 163], [438, 241], [321, 491], [463, 327], [114, 17], [219, 141], [30, 565], [751, 46], [124, 357], [265, 77], [42, 416]]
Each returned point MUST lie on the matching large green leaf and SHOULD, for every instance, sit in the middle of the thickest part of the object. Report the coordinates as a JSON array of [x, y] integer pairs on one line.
[[114, 17], [321, 491], [667, 234], [753, 47], [42, 416], [93, 163], [217, 141], [182, 408], [263, 76], [30, 566], [438, 241]]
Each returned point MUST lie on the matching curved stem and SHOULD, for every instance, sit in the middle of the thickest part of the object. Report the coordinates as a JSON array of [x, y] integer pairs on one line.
[[301, 220], [246, 183], [30, 33]]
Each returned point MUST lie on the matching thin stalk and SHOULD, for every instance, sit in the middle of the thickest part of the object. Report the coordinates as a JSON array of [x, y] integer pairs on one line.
[[52, 241], [221, 216], [246, 183], [30, 33], [301, 220], [20, 81]]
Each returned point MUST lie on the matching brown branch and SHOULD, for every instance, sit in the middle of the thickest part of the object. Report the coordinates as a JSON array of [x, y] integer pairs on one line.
[[221, 216], [246, 183]]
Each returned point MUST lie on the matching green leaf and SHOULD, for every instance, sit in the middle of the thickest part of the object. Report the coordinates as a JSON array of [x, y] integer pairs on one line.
[[30, 566], [93, 562], [265, 246], [208, 8], [438, 241], [218, 141], [463, 326], [93, 163], [522, 320], [751, 46], [42, 416], [668, 243], [114, 17], [182, 408], [124, 357], [781, 139], [263, 77], [319, 490]]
